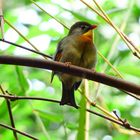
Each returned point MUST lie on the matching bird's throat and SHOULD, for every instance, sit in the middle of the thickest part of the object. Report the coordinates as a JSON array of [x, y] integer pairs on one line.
[[88, 34]]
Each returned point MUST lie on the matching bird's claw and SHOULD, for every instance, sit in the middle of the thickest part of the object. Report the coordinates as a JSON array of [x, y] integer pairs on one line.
[[68, 64]]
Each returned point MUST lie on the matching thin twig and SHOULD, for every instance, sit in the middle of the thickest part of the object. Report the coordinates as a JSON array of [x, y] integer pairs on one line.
[[130, 42], [42, 54], [115, 121], [99, 107], [10, 113], [132, 95], [49, 14], [108, 62], [56, 101], [13, 98], [6, 21], [20, 132], [104, 111]]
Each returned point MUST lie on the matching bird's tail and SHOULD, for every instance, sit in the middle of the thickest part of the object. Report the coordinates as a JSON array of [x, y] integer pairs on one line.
[[68, 96]]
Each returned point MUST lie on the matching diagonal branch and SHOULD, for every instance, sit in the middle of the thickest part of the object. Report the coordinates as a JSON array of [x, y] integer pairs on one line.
[[73, 70], [6, 21], [122, 35], [129, 43], [49, 14], [20, 46], [20, 132]]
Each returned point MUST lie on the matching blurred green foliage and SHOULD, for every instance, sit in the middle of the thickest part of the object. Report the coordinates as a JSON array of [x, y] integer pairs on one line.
[[47, 120]]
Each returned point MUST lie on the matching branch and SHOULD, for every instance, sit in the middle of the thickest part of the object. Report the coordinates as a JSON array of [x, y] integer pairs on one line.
[[13, 98], [10, 114], [44, 55], [20, 132], [73, 70], [119, 122], [93, 104], [20, 46]]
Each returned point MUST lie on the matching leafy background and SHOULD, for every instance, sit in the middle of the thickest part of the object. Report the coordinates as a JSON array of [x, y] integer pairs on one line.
[[47, 120]]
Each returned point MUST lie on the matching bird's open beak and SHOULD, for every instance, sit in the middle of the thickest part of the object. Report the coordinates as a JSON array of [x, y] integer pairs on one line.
[[93, 27]]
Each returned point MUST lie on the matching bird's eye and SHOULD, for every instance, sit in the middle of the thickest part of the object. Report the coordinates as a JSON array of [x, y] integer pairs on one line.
[[83, 27]]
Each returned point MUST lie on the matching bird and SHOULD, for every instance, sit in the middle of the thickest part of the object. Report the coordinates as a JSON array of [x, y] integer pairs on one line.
[[77, 48]]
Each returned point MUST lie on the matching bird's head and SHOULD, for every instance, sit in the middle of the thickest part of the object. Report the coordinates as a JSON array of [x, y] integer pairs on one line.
[[82, 28]]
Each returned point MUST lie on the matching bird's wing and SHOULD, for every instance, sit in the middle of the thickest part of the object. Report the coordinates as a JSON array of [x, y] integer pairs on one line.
[[57, 56]]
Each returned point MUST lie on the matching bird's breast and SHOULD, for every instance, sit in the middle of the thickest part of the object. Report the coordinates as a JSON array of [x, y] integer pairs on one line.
[[84, 40], [88, 52]]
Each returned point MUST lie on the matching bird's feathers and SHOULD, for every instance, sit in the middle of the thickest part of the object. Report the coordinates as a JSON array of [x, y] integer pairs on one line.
[[76, 48], [57, 57], [68, 96]]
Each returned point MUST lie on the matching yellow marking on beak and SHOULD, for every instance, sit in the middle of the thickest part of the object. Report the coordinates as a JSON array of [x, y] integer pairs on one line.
[[88, 34]]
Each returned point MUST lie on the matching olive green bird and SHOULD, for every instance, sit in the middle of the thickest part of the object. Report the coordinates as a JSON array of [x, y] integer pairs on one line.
[[76, 48]]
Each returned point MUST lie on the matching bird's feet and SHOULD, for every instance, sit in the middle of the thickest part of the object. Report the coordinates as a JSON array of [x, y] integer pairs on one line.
[[68, 64], [93, 69]]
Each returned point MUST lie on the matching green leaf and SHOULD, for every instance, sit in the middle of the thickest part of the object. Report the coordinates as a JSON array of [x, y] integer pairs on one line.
[[116, 10], [22, 80], [72, 126], [50, 116], [130, 69]]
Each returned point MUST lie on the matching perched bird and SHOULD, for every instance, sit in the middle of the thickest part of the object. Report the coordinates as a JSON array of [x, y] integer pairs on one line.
[[76, 48]]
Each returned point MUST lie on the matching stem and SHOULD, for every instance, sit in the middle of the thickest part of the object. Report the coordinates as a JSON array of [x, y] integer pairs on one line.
[[87, 119], [10, 113]]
